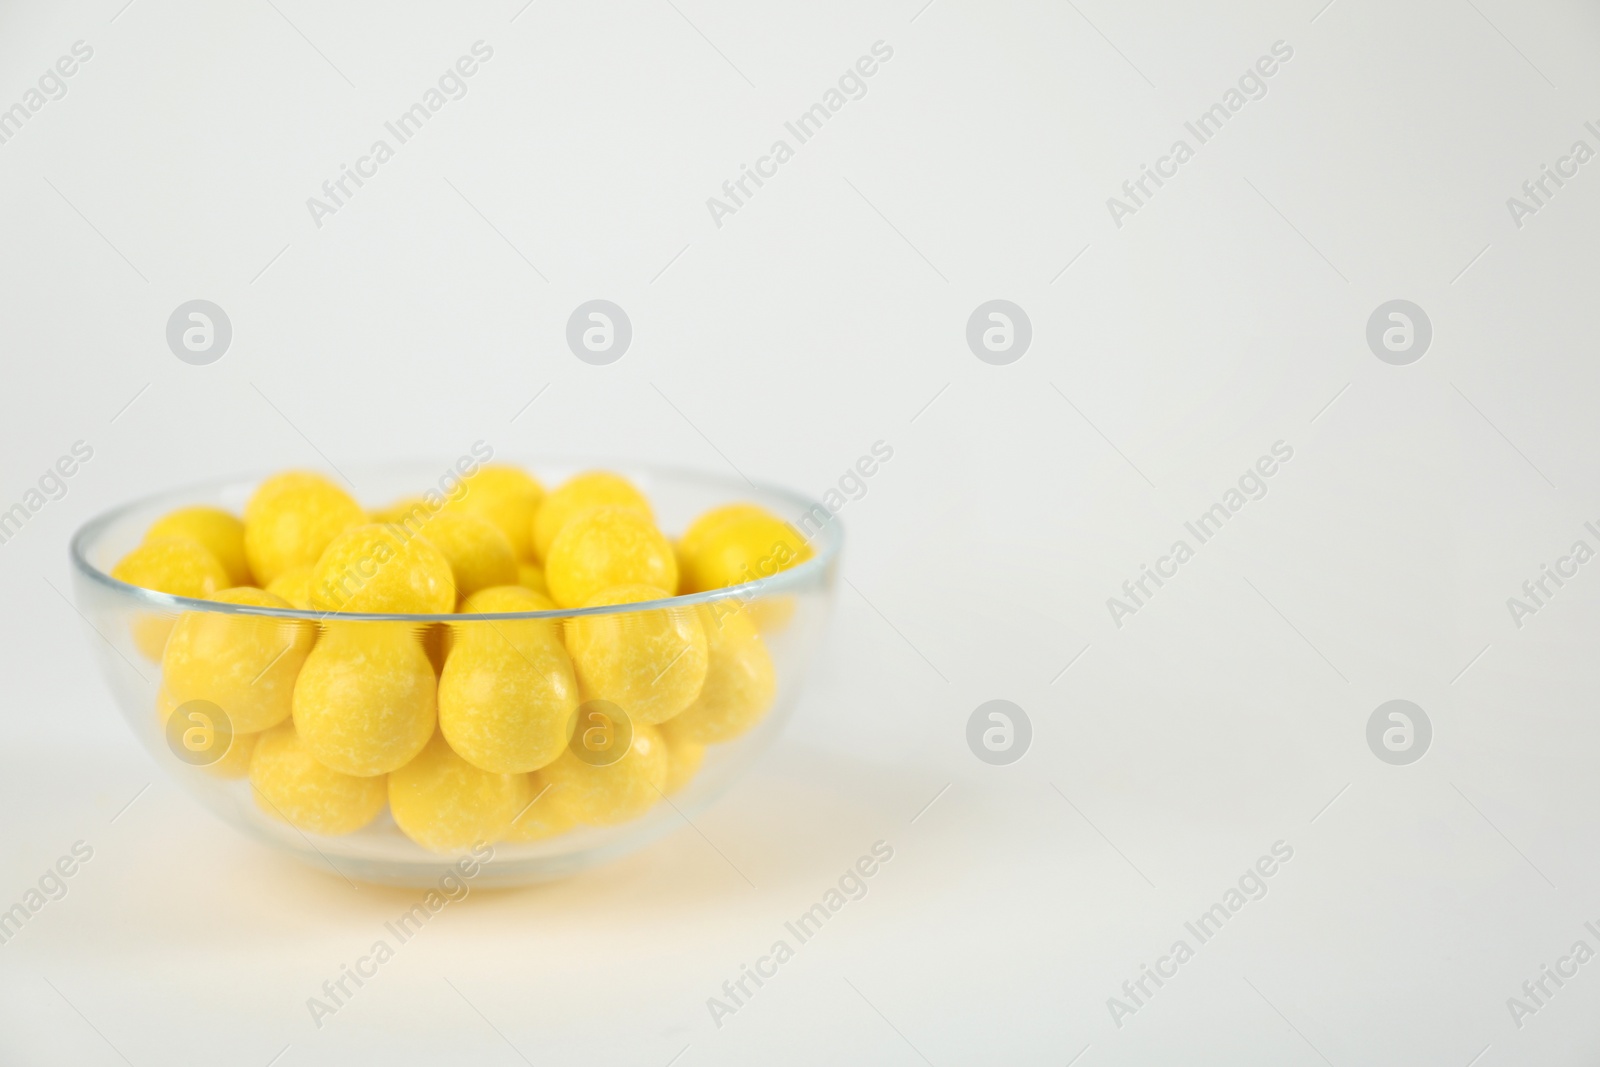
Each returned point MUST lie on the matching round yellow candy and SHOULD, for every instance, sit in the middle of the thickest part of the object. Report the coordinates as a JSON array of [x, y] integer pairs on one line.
[[219, 531], [507, 496], [291, 518], [507, 695], [365, 700], [411, 512], [244, 664], [479, 554], [503, 600], [293, 785], [543, 812], [683, 757], [580, 494], [531, 575], [701, 529], [605, 548], [294, 586], [235, 759], [740, 681], [616, 792], [445, 804], [742, 546], [382, 569], [651, 664], [175, 565]]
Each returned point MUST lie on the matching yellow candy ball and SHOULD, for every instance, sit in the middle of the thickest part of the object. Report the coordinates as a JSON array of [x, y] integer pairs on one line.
[[503, 600], [507, 496], [701, 529], [605, 548], [742, 546], [175, 565], [294, 586], [740, 681], [580, 494], [616, 792], [445, 804], [381, 568], [244, 664], [531, 575], [364, 703], [543, 813], [411, 512], [219, 531], [683, 757], [479, 554], [235, 759], [293, 785], [651, 664], [291, 518], [507, 695]]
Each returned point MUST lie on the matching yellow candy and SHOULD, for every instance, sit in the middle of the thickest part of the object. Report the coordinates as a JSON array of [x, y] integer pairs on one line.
[[381, 568], [580, 494], [290, 783], [700, 530], [244, 664], [411, 512], [294, 586], [507, 695], [365, 700], [503, 600], [683, 757], [651, 663], [235, 759], [617, 792], [605, 548], [291, 518], [543, 812], [740, 682], [507, 496], [175, 565], [221, 533], [742, 546], [479, 554], [444, 803], [531, 575]]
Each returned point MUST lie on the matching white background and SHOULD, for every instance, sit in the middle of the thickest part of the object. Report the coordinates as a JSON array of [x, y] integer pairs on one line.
[[1227, 314]]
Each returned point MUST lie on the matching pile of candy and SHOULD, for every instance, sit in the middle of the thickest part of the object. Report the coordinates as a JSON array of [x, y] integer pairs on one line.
[[472, 731]]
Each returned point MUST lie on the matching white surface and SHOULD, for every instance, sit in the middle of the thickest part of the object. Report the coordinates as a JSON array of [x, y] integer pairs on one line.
[[1223, 317]]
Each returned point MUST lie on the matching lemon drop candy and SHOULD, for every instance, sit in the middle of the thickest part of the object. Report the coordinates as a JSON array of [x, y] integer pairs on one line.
[[605, 548], [294, 586], [531, 576], [445, 804], [291, 518], [409, 511], [651, 663], [234, 762], [742, 544], [244, 664], [479, 555], [364, 703], [290, 783], [381, 568], [503, 600], [740, 681], [683, 757], [508, 693], [508, 497], [580, 494], [606, 793], [219, 531], [543, 811], [176, 565]]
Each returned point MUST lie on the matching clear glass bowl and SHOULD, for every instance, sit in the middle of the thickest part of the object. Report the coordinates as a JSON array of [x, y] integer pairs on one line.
[[791, 607]]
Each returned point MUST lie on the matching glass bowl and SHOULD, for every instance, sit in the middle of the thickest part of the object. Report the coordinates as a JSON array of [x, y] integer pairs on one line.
[[789, 609]]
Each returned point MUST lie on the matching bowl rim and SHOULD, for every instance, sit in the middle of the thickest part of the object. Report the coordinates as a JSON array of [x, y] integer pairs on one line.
[[830, 535]]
